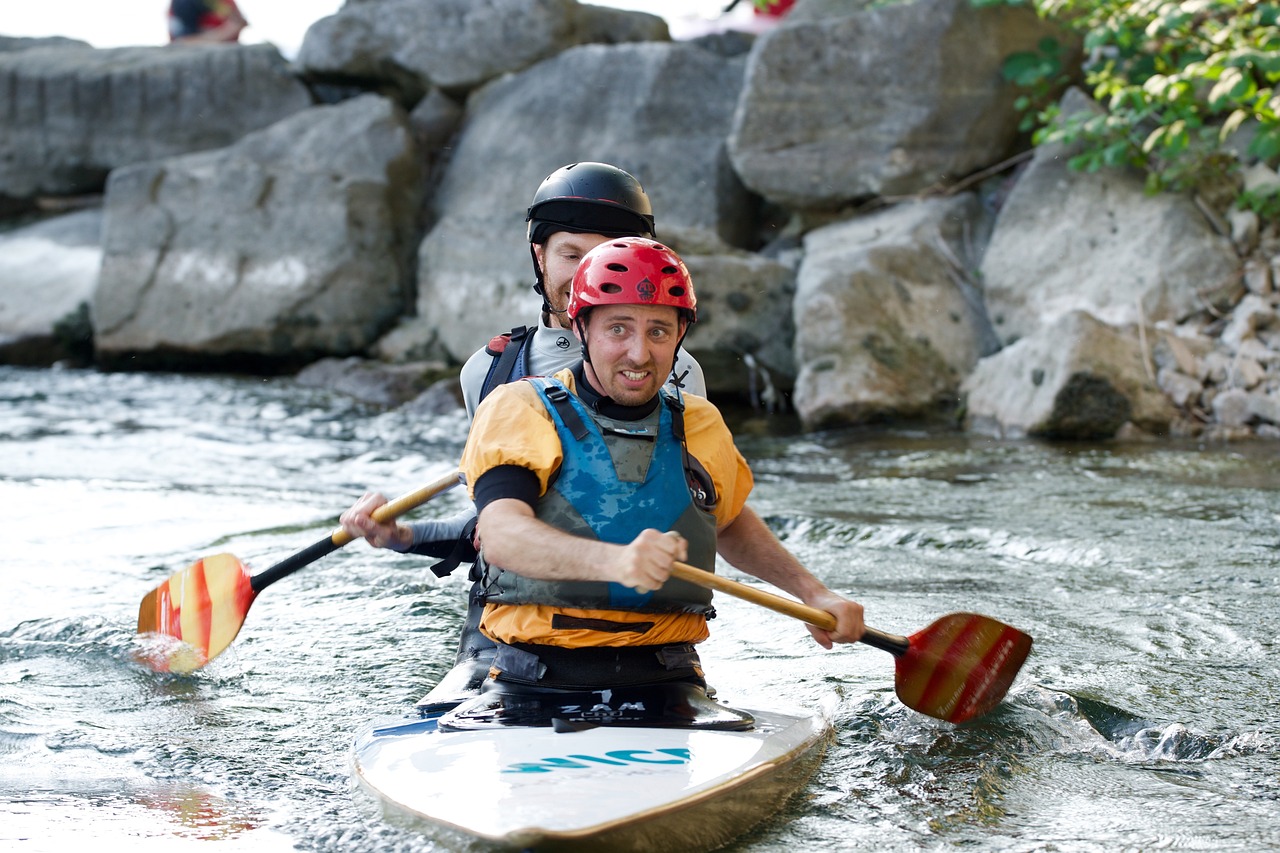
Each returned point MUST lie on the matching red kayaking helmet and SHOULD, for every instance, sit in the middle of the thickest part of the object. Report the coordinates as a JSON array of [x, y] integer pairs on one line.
[[632, 271], [590, 198]]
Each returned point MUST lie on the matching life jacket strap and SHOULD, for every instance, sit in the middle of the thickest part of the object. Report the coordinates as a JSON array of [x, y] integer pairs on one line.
[[506, 351], [559, 397]]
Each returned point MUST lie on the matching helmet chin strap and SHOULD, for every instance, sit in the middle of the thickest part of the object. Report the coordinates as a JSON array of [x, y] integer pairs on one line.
[[581, 329]]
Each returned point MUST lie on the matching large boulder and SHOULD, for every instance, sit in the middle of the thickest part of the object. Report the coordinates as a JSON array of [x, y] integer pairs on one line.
[[744, 335], [1077, 378], [48, 272], [9, 44], [1096, 241], [292, 244], [74, 114], [659, 110], [457, 45], [847, 100], [888, 320]]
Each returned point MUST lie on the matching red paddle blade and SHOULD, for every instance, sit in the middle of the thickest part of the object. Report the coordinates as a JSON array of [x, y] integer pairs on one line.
[[960, 667], [195, 614]]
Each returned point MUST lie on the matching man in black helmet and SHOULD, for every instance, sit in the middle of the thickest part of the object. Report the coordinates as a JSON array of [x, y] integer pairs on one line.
[[576, 208]]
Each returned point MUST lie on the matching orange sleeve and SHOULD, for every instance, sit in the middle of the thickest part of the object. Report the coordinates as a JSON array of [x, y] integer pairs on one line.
[[711, 443], [512, 427]]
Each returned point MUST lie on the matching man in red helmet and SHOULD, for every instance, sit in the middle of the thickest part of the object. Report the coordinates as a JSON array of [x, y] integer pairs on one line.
[[590, 484]]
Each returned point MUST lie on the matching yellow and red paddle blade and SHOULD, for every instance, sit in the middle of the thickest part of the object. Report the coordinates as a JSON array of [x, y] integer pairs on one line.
[[200, 609], [960, 667]]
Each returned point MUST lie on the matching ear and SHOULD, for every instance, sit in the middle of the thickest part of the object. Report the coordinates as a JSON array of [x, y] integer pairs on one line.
[[540, 255]]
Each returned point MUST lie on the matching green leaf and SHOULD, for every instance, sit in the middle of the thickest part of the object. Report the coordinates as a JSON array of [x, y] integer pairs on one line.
[[1266, 144], [1230, 85]]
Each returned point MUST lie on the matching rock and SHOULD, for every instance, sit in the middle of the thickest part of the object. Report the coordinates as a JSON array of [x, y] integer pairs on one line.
[[458, 45], [1250, 315], [1071, 241], [1183, 391], [1075, 379], [10, 44], [293, 244], [386, 385], [1265, 407], [475, 275], [443, 397], [887, 324], [844, 101], [1183, 352], [1231, 408], [48, 272], [744, 335], [77, 113]]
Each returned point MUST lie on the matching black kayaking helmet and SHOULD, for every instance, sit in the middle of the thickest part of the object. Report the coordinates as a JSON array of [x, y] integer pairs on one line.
[[587, 198]]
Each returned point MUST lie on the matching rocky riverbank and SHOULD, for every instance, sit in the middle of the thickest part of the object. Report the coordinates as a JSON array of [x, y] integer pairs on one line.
[[870, 235]]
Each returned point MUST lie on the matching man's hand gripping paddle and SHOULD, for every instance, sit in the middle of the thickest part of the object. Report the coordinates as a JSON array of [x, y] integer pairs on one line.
[[957, 669], [201, 608]]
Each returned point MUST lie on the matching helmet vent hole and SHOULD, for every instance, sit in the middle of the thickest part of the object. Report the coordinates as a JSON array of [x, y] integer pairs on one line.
[[616, 267], [676, 291], [669, 270], [610, 287]]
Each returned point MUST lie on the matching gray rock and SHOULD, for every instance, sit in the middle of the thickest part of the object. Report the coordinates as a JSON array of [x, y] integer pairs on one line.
[[1183, 391], [380, 384], [855, 99], [74, 114], [1075, 379], [886, 324], [1253, 313], [658, 110], [1231, 408], [9, 44], [1265, 407], [744, 334], [48, 272], [458, 45], [294, 243], [1071, 241]]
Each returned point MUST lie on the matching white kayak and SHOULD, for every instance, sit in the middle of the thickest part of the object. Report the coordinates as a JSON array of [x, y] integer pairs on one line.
[[578, 785]]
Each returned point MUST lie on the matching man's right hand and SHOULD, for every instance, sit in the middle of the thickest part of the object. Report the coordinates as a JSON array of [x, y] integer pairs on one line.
[[645, 563]]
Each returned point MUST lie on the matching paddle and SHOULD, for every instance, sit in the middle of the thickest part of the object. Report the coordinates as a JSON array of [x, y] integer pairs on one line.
[[202, 607], [958, 668]]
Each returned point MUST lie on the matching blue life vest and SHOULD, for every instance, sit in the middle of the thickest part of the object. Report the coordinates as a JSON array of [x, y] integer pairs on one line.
[[616, 479]]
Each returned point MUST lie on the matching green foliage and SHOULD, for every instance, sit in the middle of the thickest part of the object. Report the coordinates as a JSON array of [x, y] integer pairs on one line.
[[1185, 87]]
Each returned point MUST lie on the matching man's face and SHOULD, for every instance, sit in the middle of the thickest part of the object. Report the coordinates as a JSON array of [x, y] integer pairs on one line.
[[632, 350], [559, 258]]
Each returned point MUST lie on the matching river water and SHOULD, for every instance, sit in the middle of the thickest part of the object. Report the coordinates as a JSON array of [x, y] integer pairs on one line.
[[1145, 718]]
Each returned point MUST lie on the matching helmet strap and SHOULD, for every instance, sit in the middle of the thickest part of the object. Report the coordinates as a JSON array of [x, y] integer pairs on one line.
[[539, 286], [580, 326]]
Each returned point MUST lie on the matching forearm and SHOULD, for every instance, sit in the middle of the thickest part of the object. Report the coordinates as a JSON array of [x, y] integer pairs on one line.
[[513, 538], [520, 542], [750, 546]]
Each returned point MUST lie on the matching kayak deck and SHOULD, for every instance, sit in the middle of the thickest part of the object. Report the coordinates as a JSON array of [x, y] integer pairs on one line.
[[606, 787]]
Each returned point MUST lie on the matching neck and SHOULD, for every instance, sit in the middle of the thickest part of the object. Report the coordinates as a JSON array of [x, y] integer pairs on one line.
[[605, 405]]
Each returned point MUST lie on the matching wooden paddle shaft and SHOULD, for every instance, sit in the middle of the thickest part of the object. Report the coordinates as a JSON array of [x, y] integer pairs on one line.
[[891, 643]]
